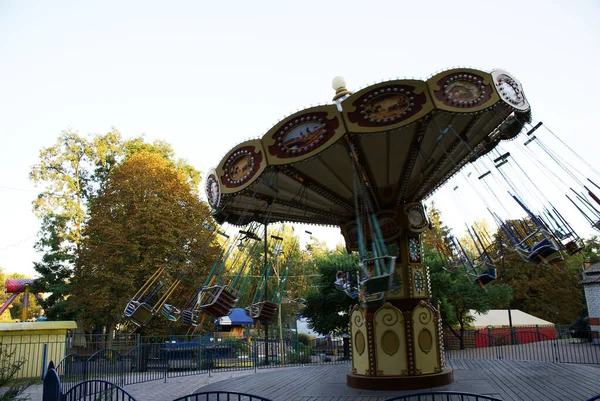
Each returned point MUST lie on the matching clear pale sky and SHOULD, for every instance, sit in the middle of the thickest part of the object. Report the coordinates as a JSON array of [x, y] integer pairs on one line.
[[205, 76]]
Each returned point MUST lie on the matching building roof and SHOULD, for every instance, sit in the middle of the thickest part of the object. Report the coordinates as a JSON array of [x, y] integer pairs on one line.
[[499, 318], [237, 316], [591, 275], [34, 326]]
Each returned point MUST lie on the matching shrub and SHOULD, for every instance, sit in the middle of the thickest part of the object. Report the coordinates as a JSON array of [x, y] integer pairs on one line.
[[8, 369]]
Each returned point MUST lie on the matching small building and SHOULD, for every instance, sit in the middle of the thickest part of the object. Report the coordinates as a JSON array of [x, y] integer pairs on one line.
[[37, 343], [591, 287], [233, 324]]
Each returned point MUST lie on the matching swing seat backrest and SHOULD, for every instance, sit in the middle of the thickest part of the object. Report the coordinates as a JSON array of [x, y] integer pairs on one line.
[[170, 312], [573, 247], [544, 250], [190, 317], [141, 313], [377, 284], [218, 301], [262, 311]]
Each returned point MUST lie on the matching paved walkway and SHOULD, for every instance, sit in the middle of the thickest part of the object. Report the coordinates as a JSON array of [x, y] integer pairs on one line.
[[507, 380]]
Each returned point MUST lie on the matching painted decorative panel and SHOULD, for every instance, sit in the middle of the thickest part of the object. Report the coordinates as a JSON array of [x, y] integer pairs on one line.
[[426, 339], [390, 341]]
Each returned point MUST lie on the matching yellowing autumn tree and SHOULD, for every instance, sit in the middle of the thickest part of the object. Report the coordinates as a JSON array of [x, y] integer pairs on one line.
[[146, 215]]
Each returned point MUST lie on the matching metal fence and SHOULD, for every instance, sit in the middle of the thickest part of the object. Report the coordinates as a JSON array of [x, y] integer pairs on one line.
[[443, 396], [221, 396], [526, 345], [162, 358]]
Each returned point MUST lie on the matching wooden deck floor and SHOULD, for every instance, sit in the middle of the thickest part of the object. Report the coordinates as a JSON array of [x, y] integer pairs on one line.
[[507, 380]]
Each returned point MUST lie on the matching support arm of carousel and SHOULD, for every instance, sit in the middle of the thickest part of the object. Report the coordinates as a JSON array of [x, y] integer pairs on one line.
[[407, 137]]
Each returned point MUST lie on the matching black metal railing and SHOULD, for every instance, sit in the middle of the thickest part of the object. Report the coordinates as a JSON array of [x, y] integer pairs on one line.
[[443, 396], [527, 345], [185, 355], [94, 390], [87, 390], [221, 396]]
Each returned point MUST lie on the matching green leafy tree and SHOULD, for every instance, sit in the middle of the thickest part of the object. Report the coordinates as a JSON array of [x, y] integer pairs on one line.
[[327, 308], [145, 217], [70, 173]]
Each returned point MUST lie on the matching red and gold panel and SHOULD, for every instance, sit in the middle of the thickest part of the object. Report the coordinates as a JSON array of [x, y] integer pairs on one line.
[[388, 224], [241, 167], [463, 90], [303, 135], [386, 106], [510, 90]]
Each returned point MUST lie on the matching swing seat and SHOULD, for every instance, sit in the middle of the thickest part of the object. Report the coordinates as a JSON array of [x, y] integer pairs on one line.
[[217, 301], [573, 247], [373, 300], [190, 317], [170, 312], [377, 284], [544, 251], [487, 276], [262, 311], [139, 313]]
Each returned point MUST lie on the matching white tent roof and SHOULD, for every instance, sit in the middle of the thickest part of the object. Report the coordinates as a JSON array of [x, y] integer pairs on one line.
[[499, 318]]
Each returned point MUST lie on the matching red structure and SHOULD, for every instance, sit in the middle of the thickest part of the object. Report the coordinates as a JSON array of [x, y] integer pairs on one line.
[[17, 286]]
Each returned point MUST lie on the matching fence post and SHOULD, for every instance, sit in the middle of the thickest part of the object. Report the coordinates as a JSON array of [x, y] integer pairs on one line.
[[44, 356], [52, 390], [255, 349], [537, 330]]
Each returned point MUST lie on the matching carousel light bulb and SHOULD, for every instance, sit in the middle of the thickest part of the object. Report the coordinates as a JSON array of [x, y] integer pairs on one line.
[[338, 83]]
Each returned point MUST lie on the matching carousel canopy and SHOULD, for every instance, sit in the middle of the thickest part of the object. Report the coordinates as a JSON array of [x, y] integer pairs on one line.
[[406, 137]]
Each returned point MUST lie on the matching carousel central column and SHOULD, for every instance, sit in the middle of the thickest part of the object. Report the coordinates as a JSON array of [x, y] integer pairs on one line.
[[397, 342]]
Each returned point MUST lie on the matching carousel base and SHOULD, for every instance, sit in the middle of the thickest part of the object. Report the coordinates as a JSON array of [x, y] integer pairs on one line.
[[446, 376]]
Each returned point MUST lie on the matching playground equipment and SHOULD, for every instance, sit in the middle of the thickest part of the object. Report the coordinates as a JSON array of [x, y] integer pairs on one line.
[[364, 164], [16, 287]]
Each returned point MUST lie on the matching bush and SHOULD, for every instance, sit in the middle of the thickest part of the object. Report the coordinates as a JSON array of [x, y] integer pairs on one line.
[[8, 369], [304, 338]]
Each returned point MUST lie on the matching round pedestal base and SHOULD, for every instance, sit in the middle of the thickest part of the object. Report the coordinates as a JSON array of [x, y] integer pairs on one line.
[[446, 376]]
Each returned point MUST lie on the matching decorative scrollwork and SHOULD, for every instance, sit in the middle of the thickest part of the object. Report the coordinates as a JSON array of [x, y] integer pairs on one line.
[[358, 320], [425, 316], [389, 316]]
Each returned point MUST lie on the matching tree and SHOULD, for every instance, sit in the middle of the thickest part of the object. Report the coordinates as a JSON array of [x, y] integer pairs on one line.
[[458, 295], [70, 173], [552, 293], [327, 308], [145, 217]]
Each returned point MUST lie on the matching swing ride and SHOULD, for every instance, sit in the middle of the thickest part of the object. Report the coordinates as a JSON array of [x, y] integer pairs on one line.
[[543, 236], [364, 164]]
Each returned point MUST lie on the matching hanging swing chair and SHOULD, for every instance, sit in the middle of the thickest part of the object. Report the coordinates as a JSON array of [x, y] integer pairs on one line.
[[377, 269], [213, 298], [151, 298], [451, 255], [537, 244], [262, 309], [483, 266]]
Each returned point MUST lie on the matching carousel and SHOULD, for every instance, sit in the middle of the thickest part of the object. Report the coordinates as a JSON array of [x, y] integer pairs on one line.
[[364, 164]]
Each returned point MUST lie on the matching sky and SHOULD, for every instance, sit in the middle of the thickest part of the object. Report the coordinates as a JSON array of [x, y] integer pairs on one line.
[[205, 76]]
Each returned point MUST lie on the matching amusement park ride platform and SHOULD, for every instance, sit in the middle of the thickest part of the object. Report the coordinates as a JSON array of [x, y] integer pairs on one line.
[[404, 139]]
